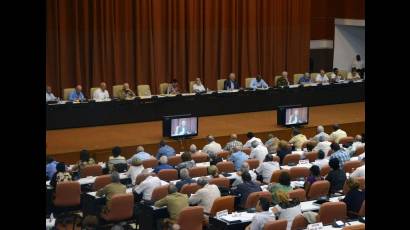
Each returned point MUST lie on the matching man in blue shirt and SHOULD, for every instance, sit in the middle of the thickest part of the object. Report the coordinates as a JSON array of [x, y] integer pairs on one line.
[[77, 95], [339, 153], [258, 83], [305, 79], [165, 150], [163, 164], [140, 155], [238, 157], [50, 167]]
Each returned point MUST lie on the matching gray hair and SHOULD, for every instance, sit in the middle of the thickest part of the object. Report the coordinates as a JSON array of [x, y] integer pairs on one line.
[[254, 144], [202, 181], [192, 148], [358, 137], [163, 160], [320, 129], [115, 177], [210, 138], [244, 167], [184, 173], [140, 149], [172, 188], [237, 148], [234, 136]]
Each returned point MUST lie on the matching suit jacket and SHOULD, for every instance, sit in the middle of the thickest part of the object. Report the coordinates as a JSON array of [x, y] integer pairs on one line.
[[227, 84]]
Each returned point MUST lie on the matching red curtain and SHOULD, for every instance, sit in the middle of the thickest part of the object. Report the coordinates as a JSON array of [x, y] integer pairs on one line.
[[153, 41]]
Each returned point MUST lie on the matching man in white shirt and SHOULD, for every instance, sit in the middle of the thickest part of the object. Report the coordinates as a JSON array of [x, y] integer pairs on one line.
[[322, 78], [320, 132], [49, 95], [360, 171], [259, 151], [212, 146], [321, 159], [335, 76], [354, 75], [251, 138], [267, 168], [238, 175], [198, 87], [323, 145], [337, 134], [147, 186], [358, 65], [356, 144], [101, 94], [206, 195]]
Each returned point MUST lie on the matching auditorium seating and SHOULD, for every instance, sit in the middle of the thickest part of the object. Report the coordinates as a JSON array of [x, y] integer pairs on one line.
[[299, 194], [121, 210], [226, 167], [254, 197], [163, 88], [318, 189], [276, 225], [190, 218], [253, 163], [331, 211], [92, 90], [116, 90], [91, 170], [350, 166], [168, 174], [67, 92], [143, 90], [291, 158], [276, 174], [299, 172], [190, 188], [101, 181], [174, 160], [220, 182], [222, 203], [159, 193], [198, 171], [151, 163], [220, 83], [311, 156], [296, 77]]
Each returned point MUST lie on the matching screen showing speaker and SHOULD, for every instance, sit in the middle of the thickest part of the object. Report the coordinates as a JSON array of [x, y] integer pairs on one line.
[[180, 126]]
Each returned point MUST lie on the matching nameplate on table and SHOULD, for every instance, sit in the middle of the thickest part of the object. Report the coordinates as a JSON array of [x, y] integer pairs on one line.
[[222, 213], [315, 226], [303, 162]]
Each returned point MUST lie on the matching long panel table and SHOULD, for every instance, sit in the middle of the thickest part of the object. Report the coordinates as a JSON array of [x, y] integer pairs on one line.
[[61, 116]]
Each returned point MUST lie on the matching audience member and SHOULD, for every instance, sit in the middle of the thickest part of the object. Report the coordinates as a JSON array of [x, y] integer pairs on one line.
[[111, 189], [232, 143], [287, 208], [297, 139], [165, 150], [313, 177], [213, 172], [283, 150], [354, 198], [262, 215], [135, 169], [267, 167], [187, 161], [336, 176], [272, 143], [244, 189], [340, 153], [213, 158], [238, 157], [237, 177], [212, 145], [116, 158], [321, 160], [174, 202], [51, 165], [283, 185], [206, 195], [251, 137], [85, 160], [259, 151], [320, 132], [60, 175], [147, 186], [163, 164], [323, 145], [141, 155], [360, 171], [184, 178], [337, 134]]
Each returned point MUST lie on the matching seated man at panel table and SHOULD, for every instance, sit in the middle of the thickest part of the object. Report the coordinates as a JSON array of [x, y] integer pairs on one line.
[[266, 168], [163, 164], [251, 137], [244, 189], [297, 139], [231, 83], [206, 195], [335, 76], [116, 158], [262, 215], [212, 145], [238, 175], [49, 95], [146, 187], [305, 79], [232, 143], [259, 151], [283, 81], [76, 95], [174, 202], [258, 83], [184, 179], [126, 93], [198, 87], [101, 94], [141, 155], [165, 150], [111, 189], [238, 157], [354, 75], [337, 134], [173, 87], [320, 132], [321, 77], [340, 153]]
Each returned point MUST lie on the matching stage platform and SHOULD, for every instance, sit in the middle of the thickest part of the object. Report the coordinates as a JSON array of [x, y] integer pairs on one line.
[[65, 144]]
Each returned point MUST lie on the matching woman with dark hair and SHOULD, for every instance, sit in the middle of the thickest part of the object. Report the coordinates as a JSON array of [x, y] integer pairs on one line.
[[283, 185], [60, 176], [173, 87], [116, 159], [354, 198], [187, 161], [283, 150], [85, 160], [336, 176], [313, 177]]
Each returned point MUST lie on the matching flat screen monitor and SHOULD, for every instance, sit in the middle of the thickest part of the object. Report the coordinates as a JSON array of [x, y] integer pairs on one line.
[[180, 126], [293, 115]]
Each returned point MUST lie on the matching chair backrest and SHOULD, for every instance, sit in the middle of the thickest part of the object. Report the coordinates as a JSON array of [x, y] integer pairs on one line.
[[247, 150], [143, 90], [198, 171], [299, 194], [91, 170], [220, 83], [223, 154], [116, 89], [222, 203], [200, 157], [276, 174], [361, 181], [150, 163], [343, 73], [355, 227], [248, 82], [141, 177], [191, 86], [298, 172], [254, 197], [92, 90], [190, 188], [253, 163], [299, 222], [121, 208], [163, 88], [220, 182], [191, 218], [324, 170], [291, 158], [159, 192], [276, 158], [67, 92], [67, 194], [345, 140], [296, 77], [174, 160], [276, 225], [331, 211], [168, 174], [350, 166], [359, 150], [362, 211], [311, 156], [276, 79], [226, 166], [101, 181], [318, 189], [313, 76]]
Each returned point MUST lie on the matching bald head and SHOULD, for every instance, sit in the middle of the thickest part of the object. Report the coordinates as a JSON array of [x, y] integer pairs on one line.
[[358, 138], [234, 137], [103, 86], [210, 138], [192, 149], [78, 88], [320, 129], [140, 149], [285, 73], [232, 76], [126, 86], [244, 167]]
